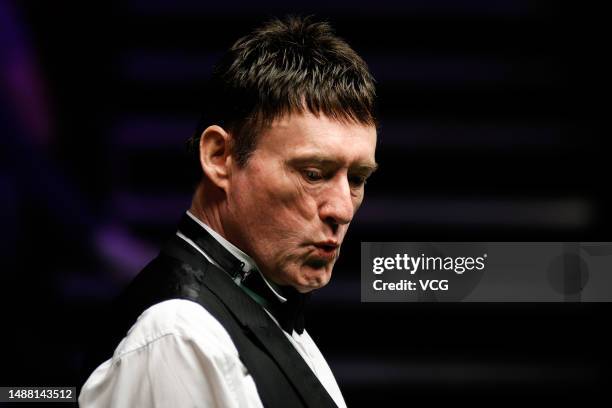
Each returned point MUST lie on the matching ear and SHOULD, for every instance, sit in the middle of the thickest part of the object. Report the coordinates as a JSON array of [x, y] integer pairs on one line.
[[215, 157]]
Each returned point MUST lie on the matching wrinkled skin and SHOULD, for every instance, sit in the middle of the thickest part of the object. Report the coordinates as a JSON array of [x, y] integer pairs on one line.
[[290, 206]]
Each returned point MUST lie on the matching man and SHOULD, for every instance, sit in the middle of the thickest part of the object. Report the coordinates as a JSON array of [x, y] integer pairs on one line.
[[283, 154]]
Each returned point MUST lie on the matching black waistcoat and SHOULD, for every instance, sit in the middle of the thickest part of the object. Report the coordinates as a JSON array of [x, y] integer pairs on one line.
[[282, 377]]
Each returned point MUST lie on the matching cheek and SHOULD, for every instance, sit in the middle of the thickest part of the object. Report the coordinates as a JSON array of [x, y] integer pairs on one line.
[[357, 201], [273, 206], [281, 194]]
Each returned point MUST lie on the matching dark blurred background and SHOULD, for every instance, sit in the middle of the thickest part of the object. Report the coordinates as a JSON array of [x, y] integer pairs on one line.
[[491, 130]]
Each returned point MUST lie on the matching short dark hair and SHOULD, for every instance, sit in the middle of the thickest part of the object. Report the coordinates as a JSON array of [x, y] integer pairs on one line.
[[286, 66]]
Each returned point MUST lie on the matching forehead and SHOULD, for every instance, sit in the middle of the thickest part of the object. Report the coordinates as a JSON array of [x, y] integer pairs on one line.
[[305, 134]]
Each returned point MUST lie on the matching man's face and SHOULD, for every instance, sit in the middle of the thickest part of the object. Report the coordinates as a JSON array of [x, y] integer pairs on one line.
[[290, 206]]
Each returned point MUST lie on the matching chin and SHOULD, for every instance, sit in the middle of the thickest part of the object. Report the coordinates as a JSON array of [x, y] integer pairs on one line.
[[311, 278]]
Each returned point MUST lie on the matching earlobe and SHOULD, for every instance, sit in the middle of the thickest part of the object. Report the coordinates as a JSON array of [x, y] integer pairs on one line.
[[215, 157]]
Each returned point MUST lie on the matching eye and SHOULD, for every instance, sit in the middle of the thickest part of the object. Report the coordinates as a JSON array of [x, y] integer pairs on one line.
[[357, 181], [312, 174]]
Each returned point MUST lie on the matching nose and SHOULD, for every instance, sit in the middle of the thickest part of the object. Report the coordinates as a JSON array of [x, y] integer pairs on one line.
[[336, 205]]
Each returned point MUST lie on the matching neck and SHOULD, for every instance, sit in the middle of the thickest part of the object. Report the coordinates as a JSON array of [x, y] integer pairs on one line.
[[208, 210]]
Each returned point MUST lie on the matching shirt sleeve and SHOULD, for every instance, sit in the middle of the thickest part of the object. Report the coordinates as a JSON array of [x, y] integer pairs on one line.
[[176, 355]]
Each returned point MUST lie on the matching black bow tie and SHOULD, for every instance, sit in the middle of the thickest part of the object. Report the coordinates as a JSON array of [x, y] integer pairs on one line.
[[289, 314]]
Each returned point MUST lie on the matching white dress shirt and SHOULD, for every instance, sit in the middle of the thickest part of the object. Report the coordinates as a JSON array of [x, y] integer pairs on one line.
[[178, 355]]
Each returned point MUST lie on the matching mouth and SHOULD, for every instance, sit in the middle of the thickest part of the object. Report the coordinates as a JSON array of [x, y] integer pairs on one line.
[[326, 250]]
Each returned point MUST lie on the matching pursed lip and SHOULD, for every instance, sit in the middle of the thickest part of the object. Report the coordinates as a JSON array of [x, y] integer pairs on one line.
[[329, 245], [326, 249]]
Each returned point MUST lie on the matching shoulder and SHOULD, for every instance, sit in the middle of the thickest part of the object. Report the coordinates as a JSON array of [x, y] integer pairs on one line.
[[175, 354], [185, 320]]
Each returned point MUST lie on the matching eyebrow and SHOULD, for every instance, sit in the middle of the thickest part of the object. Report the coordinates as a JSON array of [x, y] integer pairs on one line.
[[368, 167]]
